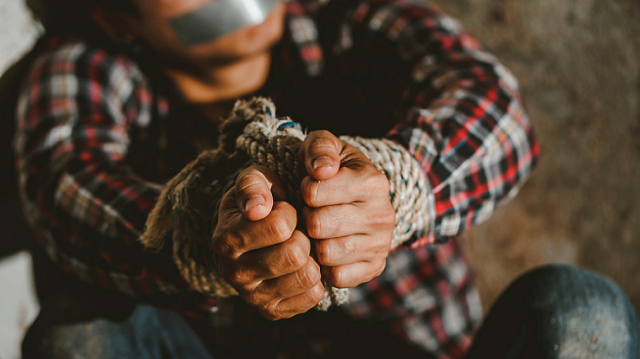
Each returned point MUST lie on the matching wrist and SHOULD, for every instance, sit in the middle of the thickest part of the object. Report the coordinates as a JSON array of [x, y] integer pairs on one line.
[[408, 186]]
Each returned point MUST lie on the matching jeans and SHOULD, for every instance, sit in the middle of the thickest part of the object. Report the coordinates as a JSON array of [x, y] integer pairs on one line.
[[550, 312], [559, 312]]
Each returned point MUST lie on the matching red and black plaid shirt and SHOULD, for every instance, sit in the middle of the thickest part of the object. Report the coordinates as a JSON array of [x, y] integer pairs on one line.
[[98, 135]]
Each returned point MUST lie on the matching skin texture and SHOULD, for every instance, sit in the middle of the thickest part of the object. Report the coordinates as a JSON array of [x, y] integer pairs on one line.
[[348, 212], [265, 258], [274, 262], [231, 66]]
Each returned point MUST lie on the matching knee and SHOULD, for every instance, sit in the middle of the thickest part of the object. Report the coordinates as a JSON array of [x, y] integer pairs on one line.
[[70, 325], [68, 341], [147, 332], [574, 312], [563, 288]]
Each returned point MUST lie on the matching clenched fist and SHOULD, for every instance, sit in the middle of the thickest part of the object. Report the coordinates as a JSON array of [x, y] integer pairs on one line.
[[262, 254], [348, 212]]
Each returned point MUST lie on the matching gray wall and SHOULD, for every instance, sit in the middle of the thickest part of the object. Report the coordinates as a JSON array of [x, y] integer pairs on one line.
[[578, 62], [17, 29], [19, 307]]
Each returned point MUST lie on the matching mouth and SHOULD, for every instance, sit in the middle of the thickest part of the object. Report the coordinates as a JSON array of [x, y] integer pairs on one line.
[[219, 18]]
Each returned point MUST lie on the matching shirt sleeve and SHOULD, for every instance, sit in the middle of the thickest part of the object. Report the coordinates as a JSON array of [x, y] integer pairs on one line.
[[461, 114], [89, 209]]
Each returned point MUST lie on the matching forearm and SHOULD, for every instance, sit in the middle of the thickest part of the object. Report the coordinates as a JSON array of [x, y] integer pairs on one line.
[[462, 115], [89, 221], [86, 205]]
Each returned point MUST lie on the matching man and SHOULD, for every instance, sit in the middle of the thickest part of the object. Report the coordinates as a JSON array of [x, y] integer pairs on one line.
[[125, 93]]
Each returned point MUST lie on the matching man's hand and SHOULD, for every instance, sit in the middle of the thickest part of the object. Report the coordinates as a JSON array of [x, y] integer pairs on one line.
[[348, 212], [263, 256]]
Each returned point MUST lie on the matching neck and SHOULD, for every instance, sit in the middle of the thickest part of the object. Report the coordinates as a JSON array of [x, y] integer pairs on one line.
[[218, 84]]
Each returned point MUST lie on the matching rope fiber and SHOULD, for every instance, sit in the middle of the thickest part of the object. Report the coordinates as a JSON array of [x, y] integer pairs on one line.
[[187, 210]]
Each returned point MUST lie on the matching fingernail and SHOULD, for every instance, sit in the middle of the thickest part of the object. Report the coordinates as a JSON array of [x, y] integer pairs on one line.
[[253, 202], [322, 161]]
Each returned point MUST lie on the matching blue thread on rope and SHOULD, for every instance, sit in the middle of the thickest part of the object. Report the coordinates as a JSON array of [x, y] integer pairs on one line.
[[287, 124]]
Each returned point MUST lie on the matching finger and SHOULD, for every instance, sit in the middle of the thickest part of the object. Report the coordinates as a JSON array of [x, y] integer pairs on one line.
[[255, 188], [321, 154], [275, 261], [347, 186], [341, 220], [244, 235], [290, 285], [336, 221], [229, 212], [351, 249], [301, 303], [352, 275]]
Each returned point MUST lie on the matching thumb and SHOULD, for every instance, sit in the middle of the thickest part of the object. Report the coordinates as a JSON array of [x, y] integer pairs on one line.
[[320, 153], [255, 190]]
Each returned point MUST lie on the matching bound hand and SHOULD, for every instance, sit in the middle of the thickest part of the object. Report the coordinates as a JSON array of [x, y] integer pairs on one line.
[[262, 254], [348, 212]]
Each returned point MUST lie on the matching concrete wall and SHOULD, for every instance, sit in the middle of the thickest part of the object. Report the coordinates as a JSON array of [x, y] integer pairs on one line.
[[578, 62], [19, 307], [18, 31]]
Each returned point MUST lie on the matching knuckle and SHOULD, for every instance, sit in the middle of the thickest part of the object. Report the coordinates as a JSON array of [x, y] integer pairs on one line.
[[237, 277], [324, 252], [303, 243], [295, 256], [308, 276], [254, 298], [280, 311], [310, 192], [280, 228], [226, 245], [337, 277], [285, 212], [314, 295], [314, 224], [271, 312]]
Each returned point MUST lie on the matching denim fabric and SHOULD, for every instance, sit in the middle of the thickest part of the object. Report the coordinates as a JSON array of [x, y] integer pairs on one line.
[[81, 325], [559, 312], [550, 312]]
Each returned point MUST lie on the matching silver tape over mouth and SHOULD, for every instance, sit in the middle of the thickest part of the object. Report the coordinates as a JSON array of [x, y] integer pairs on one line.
[[218, 18]]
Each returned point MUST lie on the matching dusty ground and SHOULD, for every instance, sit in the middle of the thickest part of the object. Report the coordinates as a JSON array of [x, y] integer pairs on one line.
[[578, 62]]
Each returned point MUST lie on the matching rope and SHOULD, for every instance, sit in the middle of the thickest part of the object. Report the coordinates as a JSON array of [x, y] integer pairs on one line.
[[186, 212]]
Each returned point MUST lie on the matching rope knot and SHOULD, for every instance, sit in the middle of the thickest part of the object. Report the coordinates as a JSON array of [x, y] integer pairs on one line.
[[186, 212]]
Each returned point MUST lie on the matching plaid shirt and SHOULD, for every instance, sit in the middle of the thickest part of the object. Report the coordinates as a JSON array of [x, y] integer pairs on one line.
[[97, 135]]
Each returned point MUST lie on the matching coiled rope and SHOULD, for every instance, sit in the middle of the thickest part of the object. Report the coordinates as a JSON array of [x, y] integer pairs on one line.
[[186, 212]]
